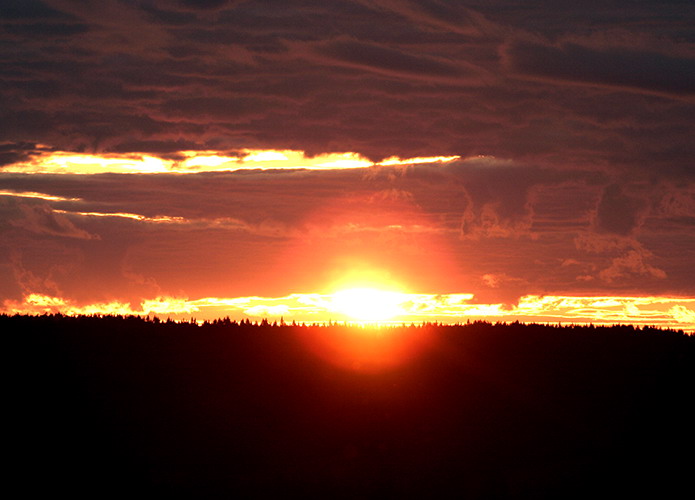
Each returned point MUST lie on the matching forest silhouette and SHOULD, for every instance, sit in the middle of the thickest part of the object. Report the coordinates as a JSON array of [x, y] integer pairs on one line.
[[109, 406]]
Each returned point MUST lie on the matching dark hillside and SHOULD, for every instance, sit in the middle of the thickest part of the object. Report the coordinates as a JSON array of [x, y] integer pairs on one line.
[[112, 406]]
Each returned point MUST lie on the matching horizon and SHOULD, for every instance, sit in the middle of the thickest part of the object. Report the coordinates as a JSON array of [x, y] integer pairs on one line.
[[348, 323]]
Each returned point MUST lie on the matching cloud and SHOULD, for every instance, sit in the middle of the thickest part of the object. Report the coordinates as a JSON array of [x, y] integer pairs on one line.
[[611, 67], [631, 264], [137, 217], [194, 161], [677, 202], [209, 4], [42, 219], [497, 196], [11, 153], [389, 61], [29, 282], [28, 9], [617, 212], [34, 18], [683, 314], [381, 79], [492, 280], [260, 230], [667, 312], [36, 303], [628, 258], [443, 16], [40, 196]]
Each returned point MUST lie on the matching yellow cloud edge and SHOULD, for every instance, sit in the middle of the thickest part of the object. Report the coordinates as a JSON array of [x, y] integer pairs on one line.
[[64, 162], [665, 312]]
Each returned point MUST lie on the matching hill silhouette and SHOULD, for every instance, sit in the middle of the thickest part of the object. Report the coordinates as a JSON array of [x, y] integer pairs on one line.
[[108, 406]]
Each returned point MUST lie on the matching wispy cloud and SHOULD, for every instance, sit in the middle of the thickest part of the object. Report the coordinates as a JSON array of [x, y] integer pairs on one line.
[[123, 215], [41, 219], [38, 196]]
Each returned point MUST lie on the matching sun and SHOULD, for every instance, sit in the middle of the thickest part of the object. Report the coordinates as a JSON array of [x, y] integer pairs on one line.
[[368, 304]]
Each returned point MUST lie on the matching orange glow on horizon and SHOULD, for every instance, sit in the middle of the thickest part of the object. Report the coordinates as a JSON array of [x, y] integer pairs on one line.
[[369, 304], [365, 348], [368, 239], [665, 312], [362, 345]]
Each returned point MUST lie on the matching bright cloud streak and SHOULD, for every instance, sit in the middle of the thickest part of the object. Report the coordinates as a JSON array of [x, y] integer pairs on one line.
[[411, 161], [125, 215], [39, 196], [84, 164], [227, 223], [666, 312], [198, 161]]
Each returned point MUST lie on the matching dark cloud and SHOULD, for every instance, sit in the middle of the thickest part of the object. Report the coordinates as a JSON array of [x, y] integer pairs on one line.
[[209, 4], [161, 148], [392, 77], [617, 212], [381, 59], [42, 220], [15, 152], [29, 10], [445, 16], [608, 67], [207, 109], [46, 29], [36, 19], [582, 116]]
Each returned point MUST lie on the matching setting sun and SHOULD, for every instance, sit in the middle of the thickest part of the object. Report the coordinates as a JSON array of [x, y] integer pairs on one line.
[[420, 248], [368, 304]]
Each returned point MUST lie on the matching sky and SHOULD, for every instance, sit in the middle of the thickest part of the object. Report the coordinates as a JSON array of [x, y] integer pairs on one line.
[[462, 160]]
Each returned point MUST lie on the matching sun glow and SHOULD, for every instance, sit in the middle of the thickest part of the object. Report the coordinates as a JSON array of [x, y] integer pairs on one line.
[[382, 304], [369, 304]]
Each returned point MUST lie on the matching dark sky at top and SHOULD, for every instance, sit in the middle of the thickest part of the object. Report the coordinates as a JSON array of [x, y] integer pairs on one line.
[[590, 83]]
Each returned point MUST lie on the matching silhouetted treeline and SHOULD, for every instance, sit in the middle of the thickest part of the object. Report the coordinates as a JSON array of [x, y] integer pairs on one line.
[[114, 406]]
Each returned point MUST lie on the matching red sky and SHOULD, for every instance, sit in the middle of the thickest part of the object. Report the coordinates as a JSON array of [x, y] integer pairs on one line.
[[183, 153]]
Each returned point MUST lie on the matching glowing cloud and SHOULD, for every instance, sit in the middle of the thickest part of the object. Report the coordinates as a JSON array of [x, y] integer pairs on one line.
[[72, 163], [411, 161], [125, 215], [36, 303], [386, 307], [62, 162], [39, 196], [201, 161]]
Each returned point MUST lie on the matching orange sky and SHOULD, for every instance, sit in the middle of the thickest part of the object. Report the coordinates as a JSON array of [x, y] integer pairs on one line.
[[284, 243], [217, 157]]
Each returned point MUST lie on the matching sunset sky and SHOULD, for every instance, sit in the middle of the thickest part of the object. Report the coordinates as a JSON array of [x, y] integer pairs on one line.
[[494, 159]]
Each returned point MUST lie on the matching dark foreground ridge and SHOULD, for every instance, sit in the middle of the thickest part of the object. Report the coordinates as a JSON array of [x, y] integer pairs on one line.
[[121, 406]]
